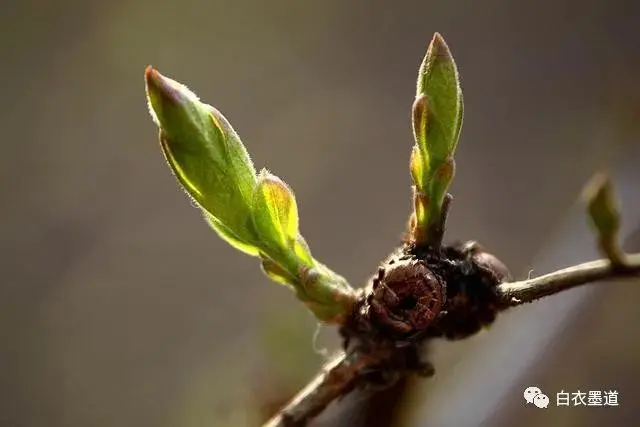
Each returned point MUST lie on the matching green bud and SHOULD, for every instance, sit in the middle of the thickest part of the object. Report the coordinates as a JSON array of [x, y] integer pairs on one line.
[[438, 110], [604, 215], [275, 220], [602, 206], [207, 158], [256, 214], [437, 114], [276, 210], [286, 256]]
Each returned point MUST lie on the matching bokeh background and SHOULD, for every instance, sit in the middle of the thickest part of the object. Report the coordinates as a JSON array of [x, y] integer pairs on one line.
[[118, 307]]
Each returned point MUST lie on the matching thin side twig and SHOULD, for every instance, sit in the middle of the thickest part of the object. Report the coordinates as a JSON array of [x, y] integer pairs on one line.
[[341, 375], [525, 291]]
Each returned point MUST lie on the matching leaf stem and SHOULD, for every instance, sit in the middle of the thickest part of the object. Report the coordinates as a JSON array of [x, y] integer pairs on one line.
[[438, 226]]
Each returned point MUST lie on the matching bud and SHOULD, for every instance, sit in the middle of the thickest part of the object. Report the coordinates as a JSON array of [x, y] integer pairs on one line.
[[256, 214], [275, 221], [602, 206], [439, 103], [437, 120], [206, 156], [604, 215]]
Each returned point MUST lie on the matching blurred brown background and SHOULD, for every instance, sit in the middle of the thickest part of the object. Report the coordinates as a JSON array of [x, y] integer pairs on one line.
[[118, 307]]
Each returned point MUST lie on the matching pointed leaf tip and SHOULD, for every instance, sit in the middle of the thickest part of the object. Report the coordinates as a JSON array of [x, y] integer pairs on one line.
[[149, 74], [206, 156], [437, 53], [439, 47], [164, 93], [159, 84]]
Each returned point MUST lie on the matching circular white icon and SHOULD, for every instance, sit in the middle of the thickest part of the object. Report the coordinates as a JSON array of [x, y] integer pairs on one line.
[[530, 393], [541, 400]]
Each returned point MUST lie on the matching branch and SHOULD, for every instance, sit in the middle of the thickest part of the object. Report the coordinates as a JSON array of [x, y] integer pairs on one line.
[[342, 373], [517, 293], [338, 378], [604, 216]]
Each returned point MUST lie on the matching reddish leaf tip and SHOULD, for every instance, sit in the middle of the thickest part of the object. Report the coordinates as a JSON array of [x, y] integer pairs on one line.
[[162, 87], [438, 47], [151, 76]]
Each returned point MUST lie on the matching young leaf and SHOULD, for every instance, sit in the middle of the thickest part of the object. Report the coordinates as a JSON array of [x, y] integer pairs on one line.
[[438, 110], [286, 258], [437, 114], [275, 216], [206, 156], [257, 215]]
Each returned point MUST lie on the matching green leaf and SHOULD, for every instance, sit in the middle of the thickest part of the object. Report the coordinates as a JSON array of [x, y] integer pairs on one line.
[[255, 214], [438, 110], [275, 221], [207, 157], [286, 257], [275, 212], [437, 115]]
